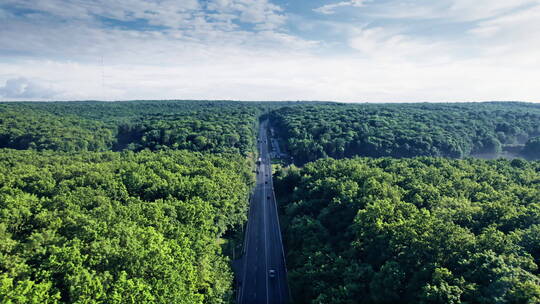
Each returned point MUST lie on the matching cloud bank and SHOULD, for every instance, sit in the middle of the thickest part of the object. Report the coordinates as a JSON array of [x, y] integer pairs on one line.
[[448, 50], [22, 88]]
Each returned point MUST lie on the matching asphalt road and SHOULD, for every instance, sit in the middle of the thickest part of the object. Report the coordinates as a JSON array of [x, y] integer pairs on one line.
[[263, 249]]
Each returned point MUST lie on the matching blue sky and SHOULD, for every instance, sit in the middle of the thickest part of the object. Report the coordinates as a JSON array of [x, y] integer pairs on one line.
[[344, 50]]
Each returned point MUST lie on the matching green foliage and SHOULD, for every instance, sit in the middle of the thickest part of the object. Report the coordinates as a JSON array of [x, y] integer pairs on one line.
[[118, 227], [23, 129], [532, 148], [405, 130], [136, 125], [79, 225], [424, 230], [226, 129]]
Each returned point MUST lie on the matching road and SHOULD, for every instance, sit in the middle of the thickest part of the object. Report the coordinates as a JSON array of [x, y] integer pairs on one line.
[[263, 248]]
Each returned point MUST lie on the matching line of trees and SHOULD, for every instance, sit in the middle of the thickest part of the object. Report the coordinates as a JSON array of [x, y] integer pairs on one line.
[[424, 230], [406, 130]]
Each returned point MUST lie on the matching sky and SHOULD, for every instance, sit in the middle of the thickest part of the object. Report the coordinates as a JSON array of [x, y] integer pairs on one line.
[[339, 50]]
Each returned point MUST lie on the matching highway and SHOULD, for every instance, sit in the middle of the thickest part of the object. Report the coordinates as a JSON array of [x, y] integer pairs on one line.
[[263, 247]]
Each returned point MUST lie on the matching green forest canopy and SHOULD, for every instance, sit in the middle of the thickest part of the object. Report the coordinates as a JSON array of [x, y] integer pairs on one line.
[[136, 125], [118, 227], [453, 130], [80, 226], [80, 223], [424, 230], [310, 130]]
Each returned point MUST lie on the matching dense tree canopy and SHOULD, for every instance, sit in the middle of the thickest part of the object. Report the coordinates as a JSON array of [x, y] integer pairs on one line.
[[118, 227], [80, 223], [135, 125], [425, 230], [23, 128], [225, 130], [405, 130], [532, 148]]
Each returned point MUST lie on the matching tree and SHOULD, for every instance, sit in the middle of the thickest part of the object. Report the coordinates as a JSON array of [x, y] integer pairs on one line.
[[532, 148]]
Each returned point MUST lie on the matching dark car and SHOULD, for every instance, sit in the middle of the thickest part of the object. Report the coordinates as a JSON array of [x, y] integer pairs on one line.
[[272, 273]]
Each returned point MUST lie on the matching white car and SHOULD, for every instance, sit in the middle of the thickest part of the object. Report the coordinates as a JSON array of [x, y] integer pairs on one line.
[[272, 273]]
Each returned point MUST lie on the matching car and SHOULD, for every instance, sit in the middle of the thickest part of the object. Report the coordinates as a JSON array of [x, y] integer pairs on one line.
[[266, 182], [272, 273], [268, 197]]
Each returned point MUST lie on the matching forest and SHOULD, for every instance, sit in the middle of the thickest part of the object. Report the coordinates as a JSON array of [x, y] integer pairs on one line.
[[136, 125], [407, 130], [421, 230], [122, 202], [140, 201], [109, 227]]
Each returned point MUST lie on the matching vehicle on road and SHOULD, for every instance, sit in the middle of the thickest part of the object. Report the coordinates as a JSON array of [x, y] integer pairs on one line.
[[259, 161], [268, 197], [272, 273]]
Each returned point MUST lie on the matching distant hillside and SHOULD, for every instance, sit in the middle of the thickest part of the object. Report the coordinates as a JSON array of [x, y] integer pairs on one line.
[[453, 130]]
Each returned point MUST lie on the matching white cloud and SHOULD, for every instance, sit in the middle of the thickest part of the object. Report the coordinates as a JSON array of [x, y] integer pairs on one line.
[[391, 45], [520, 22], [166, 13], [509, 39], [329, 9], [447, 10], [482, 9], [261, 12], [22, 88], [294, 76], [185, 14], [206, 51], [191, 28]]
